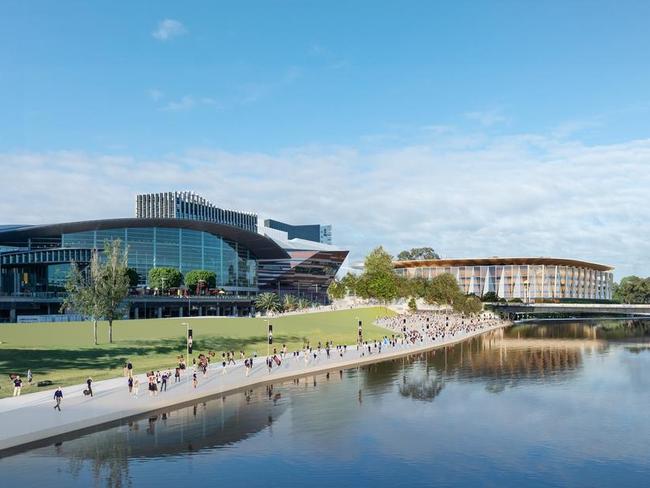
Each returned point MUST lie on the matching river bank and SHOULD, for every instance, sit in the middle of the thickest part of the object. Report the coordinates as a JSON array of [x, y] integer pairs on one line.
[[31, 418]]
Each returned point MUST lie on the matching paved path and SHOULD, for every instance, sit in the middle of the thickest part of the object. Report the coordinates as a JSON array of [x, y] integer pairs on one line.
[[31, 417]]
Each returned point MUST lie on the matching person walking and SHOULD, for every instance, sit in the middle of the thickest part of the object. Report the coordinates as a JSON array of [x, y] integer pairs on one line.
[[18, 385], [58, 396], [177, 375], [129, 369], [163, 385], [130, 383], [29, 376], [89, 382], [136, 386], [195, 381]]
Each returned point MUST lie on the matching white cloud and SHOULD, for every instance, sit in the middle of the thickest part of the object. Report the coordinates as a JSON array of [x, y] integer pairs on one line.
[[507, 195], [156, 95], [188, 102], [487, 118], [168, 29]]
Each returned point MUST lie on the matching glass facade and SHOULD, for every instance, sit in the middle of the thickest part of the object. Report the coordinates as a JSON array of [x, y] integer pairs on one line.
[[184, 249], [528, 282]]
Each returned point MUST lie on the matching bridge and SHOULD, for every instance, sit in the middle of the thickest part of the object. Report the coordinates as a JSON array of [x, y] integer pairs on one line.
[[524, 310]]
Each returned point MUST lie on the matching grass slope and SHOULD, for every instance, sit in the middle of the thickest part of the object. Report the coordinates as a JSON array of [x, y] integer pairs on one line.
[[65, 354]]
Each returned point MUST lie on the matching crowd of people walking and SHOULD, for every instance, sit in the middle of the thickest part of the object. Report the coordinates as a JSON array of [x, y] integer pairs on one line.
[[433, 326], [405, 331]]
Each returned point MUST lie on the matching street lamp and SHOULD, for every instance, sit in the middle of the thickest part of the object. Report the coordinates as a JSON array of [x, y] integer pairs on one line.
[[188, 343], [269, 328], [359, 333]]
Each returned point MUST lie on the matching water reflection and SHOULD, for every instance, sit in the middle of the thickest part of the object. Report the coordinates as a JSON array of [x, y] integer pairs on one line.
[[207, 425], [332, 412]]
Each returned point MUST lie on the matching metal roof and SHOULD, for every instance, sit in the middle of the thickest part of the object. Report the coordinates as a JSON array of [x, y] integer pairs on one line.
[[497, 261], [263, 247]]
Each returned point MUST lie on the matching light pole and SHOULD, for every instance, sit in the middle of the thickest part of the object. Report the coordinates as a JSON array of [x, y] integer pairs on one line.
[[359, 333], [188, 344], [269, 329]]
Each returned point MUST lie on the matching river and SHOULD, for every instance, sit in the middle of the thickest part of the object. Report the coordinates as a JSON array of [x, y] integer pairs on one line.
[[540, 404]]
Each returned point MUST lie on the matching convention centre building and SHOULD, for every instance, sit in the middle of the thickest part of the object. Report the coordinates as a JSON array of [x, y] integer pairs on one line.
[[529, 279], [173, 229]]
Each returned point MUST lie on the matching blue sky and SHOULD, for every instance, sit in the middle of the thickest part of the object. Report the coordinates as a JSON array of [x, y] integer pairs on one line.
[[421, 109]]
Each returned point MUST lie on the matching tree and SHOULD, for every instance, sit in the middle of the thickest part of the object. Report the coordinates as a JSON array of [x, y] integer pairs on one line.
[[267, 302], [469, 305], [165, 278], [632, 289], [289, 303], [336, 290], [113, 284], [418, 253], [490, 296], [416, 287], [82, 289], [303, 303], [193, 277], [378, 279], [443, 290], [413, 306], [133, 276], [349, 281]]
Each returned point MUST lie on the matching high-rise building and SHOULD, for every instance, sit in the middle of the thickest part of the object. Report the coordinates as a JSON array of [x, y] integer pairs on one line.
[[311, 232], [190, 206]]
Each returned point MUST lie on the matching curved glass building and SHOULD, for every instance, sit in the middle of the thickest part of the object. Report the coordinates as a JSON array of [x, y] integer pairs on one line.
[[525, 278], [35, 262], [42, 255]]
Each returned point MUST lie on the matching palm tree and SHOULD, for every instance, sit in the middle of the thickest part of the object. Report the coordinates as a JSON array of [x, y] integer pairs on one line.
[[303, 303], [267, 302], [289, 303]]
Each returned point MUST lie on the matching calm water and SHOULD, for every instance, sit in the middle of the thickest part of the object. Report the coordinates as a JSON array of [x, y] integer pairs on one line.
[[561, 404]]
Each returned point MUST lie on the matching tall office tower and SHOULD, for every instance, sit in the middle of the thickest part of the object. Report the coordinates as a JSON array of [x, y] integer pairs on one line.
[[190, 206], [312, 232]]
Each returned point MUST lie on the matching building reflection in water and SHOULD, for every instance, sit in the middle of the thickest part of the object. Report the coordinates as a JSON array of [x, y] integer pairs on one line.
[[210, 424], [502, 359]]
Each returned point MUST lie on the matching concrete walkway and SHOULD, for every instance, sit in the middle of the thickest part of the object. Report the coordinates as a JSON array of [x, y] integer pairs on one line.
[[31, 417]]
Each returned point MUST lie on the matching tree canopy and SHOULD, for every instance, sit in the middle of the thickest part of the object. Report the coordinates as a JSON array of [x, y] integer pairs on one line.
[[470, 305], [165, 278], [378, 280], [336, 290], [193, 277], [632, 289], [82, 289], [133, 276], [114, 283], [443, 290], [268, 302], [99, 291], [349, 281], [418, 254]]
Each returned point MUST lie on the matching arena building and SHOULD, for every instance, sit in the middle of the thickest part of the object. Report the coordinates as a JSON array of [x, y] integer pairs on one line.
[[178, 230], [528, 279]]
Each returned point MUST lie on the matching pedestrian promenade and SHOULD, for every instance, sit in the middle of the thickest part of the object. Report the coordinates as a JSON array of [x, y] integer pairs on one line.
[[31, 417]]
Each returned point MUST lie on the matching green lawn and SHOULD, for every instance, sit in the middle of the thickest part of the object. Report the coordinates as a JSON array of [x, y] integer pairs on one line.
[[65, 354]]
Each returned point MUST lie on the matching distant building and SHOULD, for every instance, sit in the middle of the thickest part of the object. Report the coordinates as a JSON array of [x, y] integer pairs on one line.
[[311, 232], [527, 278], [306, 272], [190, 206]]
